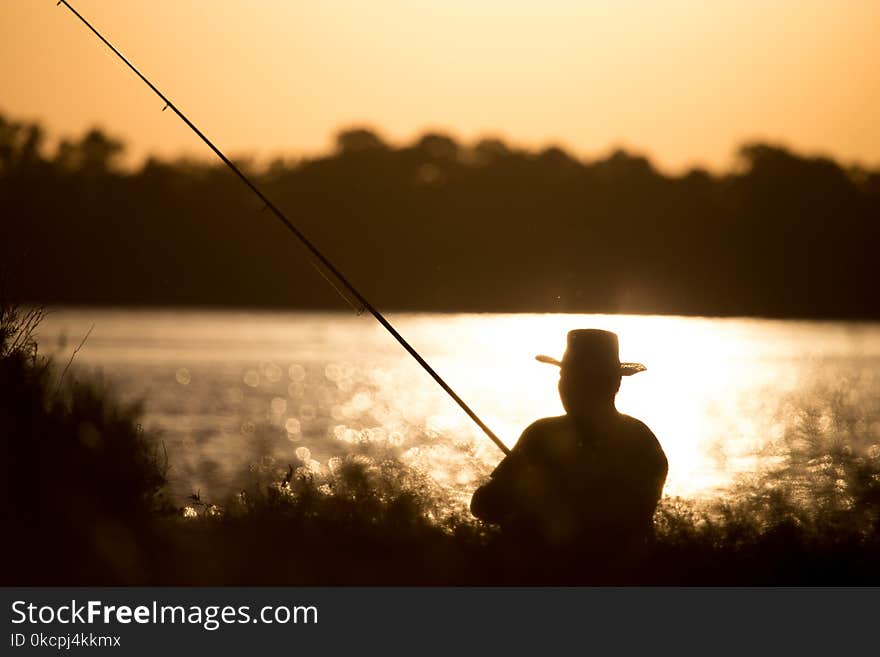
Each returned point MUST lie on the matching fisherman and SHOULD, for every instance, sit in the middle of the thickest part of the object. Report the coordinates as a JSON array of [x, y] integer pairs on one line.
[[583, 485]]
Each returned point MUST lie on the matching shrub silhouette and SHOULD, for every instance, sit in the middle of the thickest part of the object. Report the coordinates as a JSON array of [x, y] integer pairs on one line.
[[82, 481], [359, 521], [812, 517]]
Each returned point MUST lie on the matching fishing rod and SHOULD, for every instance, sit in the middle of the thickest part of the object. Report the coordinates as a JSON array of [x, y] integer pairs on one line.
[[321, 258]]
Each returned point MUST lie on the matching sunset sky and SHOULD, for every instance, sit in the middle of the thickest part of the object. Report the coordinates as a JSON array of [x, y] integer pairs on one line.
[[683, 82]]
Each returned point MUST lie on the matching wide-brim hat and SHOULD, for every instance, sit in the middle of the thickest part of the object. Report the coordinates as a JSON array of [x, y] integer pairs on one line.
[[593, 351]]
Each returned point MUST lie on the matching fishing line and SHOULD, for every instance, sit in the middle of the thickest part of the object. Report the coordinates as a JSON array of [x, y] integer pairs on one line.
[[325, 264]]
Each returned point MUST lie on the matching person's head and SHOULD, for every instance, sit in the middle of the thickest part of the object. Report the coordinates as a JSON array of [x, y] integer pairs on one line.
[[590, 371], [581, 392]]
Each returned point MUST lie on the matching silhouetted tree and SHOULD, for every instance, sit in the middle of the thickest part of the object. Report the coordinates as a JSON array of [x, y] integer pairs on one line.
[[556, 157], [20, 146], [437, 146], [445, 226], [357, 140], [490, 149], [95, 154]]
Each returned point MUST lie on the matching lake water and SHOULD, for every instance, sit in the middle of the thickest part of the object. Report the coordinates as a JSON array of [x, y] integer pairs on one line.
[[236, 396]]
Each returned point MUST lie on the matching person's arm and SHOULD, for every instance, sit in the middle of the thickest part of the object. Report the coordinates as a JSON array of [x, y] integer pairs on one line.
[[496, 500], [647, 477], [492, 502]]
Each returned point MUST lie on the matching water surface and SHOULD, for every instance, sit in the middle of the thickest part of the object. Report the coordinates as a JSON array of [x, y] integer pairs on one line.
[[236, 396]]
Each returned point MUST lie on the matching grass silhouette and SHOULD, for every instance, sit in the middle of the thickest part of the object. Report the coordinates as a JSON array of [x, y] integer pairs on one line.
[[82, 482], [811, 517]]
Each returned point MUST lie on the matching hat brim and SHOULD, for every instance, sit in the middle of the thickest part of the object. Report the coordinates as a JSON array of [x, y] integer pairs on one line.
[[626, 369]]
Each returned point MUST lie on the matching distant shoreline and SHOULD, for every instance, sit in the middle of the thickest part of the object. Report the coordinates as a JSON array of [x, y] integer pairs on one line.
[[270, 310]]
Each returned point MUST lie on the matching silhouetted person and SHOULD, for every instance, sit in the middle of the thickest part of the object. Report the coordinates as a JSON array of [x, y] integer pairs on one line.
[[582, 486]]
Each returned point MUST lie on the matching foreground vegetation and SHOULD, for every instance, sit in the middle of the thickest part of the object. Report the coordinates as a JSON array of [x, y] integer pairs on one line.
[[84, 503]]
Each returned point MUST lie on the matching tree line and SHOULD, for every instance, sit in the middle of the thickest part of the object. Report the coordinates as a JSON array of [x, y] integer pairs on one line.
[[441, 225]]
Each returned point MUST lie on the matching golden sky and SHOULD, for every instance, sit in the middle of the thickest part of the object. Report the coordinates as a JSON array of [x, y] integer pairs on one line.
[[681, 81]]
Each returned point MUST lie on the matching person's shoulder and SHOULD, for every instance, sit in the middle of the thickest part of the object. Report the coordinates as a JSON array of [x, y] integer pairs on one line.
[[540, 429], [548, 424], [635, 427], [640, 436]]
